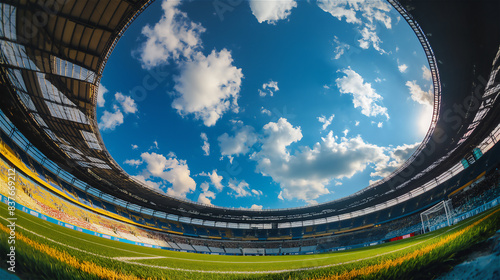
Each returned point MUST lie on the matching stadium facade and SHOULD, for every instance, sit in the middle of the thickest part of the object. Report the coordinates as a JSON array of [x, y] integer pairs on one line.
[[52, 59]]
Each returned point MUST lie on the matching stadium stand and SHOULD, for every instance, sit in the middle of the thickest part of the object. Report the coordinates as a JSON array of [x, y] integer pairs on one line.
[[66, 173], [50, 204]]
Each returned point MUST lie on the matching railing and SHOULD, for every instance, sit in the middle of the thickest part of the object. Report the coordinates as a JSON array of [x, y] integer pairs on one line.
[[24, 144]]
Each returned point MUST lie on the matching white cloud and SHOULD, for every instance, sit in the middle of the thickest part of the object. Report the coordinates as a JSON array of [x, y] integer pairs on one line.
[[127, 103], [356, 123], [371, 182], [278, 136], [340, 9], [418, 95], [257, 192], [340, 47], [236, 122], [206, 145], [364, 96], [397, 49], [326, 122], [271, 11], [101, 91], [172, 170], [380, 124], [134, 147], [265, 111], [426, 73], [306, 173], [152, 185], [370, 38], [174, 36], [312, 202], [345, 132], [372, 11], [109, 121], [204, 186], [401, 153], [205, 196], [215, 179], [402, 67], [363, 13], [240, 189], [154, 146], [280, 195], [256, 207], [397, 156], [208, 87], [269, 88], [238, 144], [133, 162]]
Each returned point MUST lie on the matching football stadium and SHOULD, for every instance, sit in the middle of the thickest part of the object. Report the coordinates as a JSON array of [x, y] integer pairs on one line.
[[70, 211]]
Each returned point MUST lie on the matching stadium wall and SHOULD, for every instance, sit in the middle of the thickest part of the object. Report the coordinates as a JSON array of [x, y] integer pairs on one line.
[[61, 192], [41, 216], [371, 218], [21, 160]]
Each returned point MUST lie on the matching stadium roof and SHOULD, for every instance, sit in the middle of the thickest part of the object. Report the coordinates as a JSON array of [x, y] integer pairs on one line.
[[53, 56]]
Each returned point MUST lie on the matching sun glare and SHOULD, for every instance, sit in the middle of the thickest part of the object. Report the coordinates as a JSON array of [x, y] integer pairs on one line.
[[424, 120]]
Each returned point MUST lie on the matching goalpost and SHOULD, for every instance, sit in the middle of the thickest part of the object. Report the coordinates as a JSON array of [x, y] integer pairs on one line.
[[438, 216], [253, 251]]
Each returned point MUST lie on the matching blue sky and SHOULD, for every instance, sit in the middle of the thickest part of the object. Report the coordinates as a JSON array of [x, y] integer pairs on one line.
[[266, 104]]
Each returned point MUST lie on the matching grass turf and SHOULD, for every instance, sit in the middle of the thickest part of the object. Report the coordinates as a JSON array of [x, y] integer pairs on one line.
[[101, 252]]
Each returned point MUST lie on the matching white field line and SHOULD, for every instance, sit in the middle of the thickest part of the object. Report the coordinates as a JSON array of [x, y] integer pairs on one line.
[[88, 241], [56, 242], [47, 226], [124, 259], [234, 272], [136, 258], [208, 271], [184, 259]]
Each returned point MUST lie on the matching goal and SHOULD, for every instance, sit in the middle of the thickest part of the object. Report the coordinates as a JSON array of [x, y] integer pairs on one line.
[[438, 216], [254, 251]]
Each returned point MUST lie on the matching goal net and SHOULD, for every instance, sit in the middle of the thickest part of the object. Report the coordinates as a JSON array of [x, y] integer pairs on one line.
[[438, 216], [254, 251]]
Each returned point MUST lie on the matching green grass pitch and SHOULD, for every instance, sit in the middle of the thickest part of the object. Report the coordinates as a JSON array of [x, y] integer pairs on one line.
[[143, 262]]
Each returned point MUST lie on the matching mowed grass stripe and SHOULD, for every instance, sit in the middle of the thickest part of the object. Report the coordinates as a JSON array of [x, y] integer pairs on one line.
[[417, 254], [201, 272], [189, 257], [87, 241], [57, 254], [368, 269], [341, 258], [84, 266], [75, 237], [77, 241], [285, 259]]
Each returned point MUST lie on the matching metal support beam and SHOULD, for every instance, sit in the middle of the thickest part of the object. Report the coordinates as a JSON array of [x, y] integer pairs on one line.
[[35, 7], [60, 54]]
